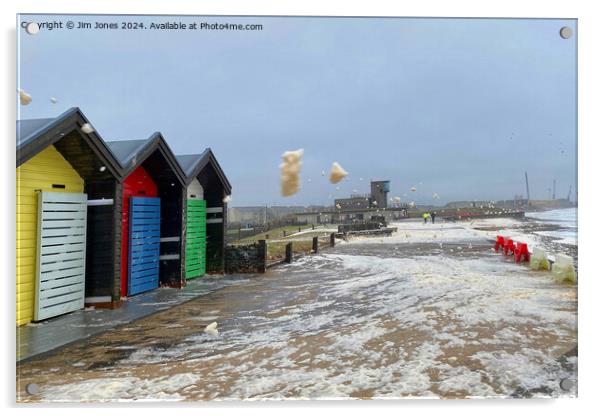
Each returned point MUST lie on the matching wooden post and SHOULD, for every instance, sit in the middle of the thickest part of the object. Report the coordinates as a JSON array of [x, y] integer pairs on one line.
[[299, 229], [314, 245], [288, 254], [313, 227], [263, 256], [331, 239], [284, 233], [267, 237]]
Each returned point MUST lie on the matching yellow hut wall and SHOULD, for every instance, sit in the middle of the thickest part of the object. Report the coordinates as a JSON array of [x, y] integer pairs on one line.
[[39, 173]]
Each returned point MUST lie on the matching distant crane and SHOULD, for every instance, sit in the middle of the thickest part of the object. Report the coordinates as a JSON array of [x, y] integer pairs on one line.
[[568, 197], [554, 189], [527, 182]]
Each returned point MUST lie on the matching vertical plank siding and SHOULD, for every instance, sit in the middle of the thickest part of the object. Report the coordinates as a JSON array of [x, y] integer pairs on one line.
[[117, 221], [39, 173], [173, 214], [61, 253], [195, 238], [138, 184], [144, 244], [100, 262], [216, 242]]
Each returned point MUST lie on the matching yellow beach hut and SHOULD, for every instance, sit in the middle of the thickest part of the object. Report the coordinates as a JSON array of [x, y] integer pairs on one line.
[[64, 175]]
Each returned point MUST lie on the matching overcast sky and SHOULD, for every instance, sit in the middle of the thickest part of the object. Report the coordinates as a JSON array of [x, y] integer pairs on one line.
[[457, 107]]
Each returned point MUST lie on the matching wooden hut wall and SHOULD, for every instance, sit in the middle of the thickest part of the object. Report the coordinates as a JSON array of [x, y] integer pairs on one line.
[[117, 225], [195, 190], [173, 218], [46, 171], [102, 268], [214, 194], [102, 237], [172, 221], [138, 183], [195, 231]]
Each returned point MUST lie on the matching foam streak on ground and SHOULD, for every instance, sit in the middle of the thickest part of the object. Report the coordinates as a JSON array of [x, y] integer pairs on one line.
[[375, 318]]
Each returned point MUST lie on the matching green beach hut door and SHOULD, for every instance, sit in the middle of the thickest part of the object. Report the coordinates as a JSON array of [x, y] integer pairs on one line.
[[196, 214], [61, 253]]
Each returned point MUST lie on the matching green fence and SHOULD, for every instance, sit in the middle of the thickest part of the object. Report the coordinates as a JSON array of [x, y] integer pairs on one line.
[[196, 235]]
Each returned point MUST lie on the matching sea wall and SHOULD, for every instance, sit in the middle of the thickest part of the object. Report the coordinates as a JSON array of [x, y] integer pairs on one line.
[[362, 226], [248, 258]]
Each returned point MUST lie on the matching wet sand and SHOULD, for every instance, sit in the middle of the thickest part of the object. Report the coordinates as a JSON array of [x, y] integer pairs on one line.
[[373, 318]]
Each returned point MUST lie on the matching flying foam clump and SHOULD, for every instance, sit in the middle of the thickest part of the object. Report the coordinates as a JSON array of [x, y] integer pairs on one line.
[[413, 189], [87, 128], [24, 98], [290, 170], [397, 200], [435, 195], [227, 199], [337, 173]]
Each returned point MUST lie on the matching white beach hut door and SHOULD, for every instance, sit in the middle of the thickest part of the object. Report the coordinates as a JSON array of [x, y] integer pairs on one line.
[[61, 253]]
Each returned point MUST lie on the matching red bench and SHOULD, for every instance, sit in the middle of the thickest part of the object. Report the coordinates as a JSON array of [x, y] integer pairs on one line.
[[499, 243], [509, 246], [521, 253]]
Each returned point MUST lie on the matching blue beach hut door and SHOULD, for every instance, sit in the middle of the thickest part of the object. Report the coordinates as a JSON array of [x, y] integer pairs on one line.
[[144, 243]]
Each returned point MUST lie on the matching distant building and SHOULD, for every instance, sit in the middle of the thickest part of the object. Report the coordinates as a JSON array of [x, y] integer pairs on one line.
[[354, 202], [379, 191], [246, 215], [516, 203], [357, 208], [376, 199], [335, 216], [259, 215]]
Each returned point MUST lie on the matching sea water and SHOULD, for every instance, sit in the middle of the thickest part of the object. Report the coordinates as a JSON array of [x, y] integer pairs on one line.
[[566, 219]]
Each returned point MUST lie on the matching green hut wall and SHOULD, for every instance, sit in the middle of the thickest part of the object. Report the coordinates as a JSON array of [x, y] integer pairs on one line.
[[196, 234]]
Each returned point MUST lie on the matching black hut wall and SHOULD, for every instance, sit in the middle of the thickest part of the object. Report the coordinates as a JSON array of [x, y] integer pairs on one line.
[[103, 232], [216, 243], [171, 193]]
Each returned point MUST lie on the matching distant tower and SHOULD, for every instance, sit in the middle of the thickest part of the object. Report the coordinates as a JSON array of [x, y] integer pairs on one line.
[[527, 183], [378, 192], [554, 190]]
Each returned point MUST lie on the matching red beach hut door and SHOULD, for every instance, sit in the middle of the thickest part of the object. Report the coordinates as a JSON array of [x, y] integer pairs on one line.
[[137, 184]]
